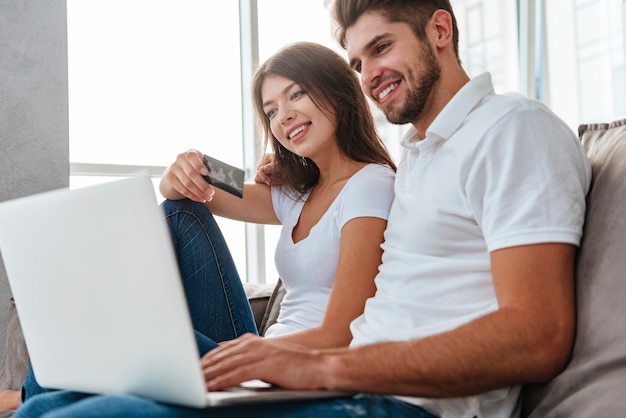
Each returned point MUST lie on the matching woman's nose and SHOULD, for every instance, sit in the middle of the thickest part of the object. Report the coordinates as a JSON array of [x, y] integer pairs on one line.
[[285, 115]]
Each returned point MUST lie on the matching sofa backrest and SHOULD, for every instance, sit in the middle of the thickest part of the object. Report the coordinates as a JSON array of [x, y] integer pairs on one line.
[[594, 382]]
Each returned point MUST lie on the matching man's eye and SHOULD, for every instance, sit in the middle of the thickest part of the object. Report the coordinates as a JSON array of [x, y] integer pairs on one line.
[[357, 68], [382, 47]]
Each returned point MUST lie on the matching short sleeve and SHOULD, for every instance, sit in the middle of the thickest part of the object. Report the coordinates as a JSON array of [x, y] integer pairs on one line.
[[369, 193], [283, 200], [529, 181]]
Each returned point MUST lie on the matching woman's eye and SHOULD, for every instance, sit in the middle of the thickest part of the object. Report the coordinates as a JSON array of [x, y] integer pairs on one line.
[[270, 113], [297, 94]]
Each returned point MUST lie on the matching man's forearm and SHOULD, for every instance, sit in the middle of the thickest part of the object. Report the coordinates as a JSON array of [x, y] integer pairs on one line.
[[498, 350]]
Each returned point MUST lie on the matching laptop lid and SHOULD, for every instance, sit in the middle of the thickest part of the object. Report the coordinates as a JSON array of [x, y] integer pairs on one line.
[[97, 290], [100, 300]]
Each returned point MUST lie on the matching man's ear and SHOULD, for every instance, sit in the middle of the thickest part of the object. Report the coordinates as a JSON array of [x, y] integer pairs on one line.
[[441, 22]]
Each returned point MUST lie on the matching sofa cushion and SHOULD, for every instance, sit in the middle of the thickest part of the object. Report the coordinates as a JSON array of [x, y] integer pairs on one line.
[[592, 385], [273, 307], [258, 295], [14, 365]]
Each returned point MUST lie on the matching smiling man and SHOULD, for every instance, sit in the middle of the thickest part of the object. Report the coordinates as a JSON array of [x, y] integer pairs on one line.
[[475, 294]]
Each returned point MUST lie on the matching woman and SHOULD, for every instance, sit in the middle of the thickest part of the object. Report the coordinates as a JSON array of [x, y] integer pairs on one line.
[[334, 187]]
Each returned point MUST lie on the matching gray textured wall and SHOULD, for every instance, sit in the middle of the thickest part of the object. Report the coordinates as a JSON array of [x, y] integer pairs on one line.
[[34, 144]]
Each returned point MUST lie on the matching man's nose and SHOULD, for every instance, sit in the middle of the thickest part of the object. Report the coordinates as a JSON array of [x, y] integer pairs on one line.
[[369, 77]]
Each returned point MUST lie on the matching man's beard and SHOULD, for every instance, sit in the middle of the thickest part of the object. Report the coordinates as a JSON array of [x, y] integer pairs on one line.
[[417, 96]]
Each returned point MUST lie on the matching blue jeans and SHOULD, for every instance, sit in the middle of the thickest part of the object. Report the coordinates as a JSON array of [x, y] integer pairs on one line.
[[217, 301], [72, 405]]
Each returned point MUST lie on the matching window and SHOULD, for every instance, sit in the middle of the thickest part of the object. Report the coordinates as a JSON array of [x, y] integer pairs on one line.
[[151, 78], [488, 40], [585, 52], [555, 51]]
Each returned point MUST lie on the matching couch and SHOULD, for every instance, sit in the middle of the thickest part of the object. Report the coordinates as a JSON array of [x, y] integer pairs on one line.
[[594, 382]]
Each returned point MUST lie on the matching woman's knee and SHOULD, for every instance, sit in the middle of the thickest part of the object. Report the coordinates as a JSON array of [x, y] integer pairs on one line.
[[186, 218], [183, 205]]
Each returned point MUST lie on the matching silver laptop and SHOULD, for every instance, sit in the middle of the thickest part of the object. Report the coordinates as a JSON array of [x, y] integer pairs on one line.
[[99, 297]]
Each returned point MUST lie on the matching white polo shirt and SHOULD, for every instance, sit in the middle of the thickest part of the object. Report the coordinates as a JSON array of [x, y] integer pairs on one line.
[[494, 171]]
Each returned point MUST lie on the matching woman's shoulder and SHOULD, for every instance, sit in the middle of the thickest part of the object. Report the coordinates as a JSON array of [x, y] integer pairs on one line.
[[373, 180], [374, 172], [285, 200]]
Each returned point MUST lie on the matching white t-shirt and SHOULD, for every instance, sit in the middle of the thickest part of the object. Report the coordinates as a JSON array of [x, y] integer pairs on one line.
[[308, 267], [494, 171]]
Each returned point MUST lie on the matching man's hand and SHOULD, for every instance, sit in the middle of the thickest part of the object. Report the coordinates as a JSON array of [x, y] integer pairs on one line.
[[184, 178], [264, 171], [251, 357]]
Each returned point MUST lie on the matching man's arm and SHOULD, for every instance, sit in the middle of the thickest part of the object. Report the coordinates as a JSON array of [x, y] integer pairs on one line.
[[528, 338]]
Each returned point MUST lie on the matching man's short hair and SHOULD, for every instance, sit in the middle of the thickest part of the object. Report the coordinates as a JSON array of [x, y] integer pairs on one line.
[[415, 13]]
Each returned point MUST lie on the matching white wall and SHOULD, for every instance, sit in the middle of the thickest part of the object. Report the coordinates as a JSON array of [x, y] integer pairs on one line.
[[34, 133]]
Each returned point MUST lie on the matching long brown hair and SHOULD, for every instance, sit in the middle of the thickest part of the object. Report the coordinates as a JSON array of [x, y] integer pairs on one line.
[[334, 88], [414, 13]]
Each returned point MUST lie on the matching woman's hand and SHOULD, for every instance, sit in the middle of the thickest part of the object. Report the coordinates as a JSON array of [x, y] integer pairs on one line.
[[184, 178]]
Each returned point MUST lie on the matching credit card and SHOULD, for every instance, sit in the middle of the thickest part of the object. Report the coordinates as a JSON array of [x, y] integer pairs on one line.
[[224, 176]]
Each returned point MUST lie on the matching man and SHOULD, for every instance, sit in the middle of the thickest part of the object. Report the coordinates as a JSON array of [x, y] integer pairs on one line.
[[476, 285], [475, 292]]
